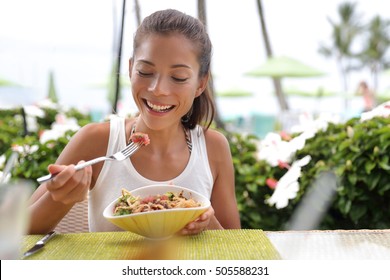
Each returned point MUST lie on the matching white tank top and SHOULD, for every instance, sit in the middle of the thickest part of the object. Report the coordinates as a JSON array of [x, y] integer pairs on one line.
[[117, 175]]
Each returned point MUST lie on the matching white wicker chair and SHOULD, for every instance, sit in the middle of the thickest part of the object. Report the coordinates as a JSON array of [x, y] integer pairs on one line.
[[76, 220]]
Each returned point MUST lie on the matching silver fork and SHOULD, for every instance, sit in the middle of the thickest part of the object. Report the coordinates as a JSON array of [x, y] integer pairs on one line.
[[121, 155]]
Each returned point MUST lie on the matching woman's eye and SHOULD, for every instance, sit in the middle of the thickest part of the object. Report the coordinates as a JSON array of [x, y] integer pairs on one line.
[[180, 80], [144, 74]]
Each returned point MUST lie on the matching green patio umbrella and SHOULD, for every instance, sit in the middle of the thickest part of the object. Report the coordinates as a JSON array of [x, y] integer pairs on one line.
[[7, 83], [234, 92], [285, 67]]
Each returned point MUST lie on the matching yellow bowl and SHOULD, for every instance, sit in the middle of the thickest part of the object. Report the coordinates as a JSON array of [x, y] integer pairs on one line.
[[162, 223]]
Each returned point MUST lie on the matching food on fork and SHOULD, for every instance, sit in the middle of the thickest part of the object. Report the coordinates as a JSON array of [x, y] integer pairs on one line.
[[139, 137], [129, 204]]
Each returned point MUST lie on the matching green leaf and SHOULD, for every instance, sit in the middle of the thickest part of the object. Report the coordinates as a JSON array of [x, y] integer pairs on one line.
[[355, 148], [372, 181], [252, 187], [383, 189], [357, 212], [352, 178], [383, 163], [369, 165], [345, 206], [344, 145]]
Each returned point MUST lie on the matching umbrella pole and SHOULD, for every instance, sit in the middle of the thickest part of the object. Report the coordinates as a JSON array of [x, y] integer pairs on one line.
[[279, 94], [276, 81]]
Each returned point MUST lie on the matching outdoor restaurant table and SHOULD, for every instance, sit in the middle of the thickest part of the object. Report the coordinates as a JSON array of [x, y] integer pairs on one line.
[[332, 244], [208, 245]]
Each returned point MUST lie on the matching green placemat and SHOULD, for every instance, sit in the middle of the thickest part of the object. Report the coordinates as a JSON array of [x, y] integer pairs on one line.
[[209, 245]]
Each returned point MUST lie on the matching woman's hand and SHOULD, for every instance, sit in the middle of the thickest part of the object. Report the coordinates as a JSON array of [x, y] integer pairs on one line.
[[203, 222], [69, 186]]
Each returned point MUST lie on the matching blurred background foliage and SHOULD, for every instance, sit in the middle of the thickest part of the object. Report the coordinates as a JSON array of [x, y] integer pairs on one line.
[[358, 152]]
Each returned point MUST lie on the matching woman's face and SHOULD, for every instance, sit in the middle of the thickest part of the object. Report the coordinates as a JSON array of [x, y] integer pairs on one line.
[[164, 79]]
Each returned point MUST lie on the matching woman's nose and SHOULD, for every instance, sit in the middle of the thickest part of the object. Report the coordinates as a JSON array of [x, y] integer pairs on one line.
[[159, 86]]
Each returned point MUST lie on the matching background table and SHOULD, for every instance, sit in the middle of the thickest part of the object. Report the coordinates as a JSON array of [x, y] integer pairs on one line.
[[332, 244]]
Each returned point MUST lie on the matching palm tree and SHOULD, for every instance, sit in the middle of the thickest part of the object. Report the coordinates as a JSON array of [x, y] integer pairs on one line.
[[375, 48], [344, 34], [118, 60], [202, 15], [114, 87], [137, 12], [276, 81]]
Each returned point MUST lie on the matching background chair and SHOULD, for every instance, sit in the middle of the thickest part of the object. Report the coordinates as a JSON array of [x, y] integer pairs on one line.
[[76, 220]]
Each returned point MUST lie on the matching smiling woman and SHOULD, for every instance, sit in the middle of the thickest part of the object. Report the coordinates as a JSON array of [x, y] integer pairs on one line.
[[169, 71]]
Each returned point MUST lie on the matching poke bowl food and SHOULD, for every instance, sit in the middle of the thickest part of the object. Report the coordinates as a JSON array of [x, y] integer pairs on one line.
[[140, 137], [156, 211]]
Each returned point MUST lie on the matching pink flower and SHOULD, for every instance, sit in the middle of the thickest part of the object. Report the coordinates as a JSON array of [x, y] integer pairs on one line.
[[271, 183], [283, 164], [285, 136]]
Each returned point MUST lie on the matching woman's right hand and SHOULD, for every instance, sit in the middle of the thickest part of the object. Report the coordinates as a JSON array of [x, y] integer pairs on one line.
[[69, 186]]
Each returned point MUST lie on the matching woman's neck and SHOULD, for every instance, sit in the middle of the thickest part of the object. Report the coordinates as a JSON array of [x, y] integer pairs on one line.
[[165, 140]]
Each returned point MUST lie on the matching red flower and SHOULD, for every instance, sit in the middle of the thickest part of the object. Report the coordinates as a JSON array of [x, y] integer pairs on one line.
[[271, 183], [285, 136], [283, 164]]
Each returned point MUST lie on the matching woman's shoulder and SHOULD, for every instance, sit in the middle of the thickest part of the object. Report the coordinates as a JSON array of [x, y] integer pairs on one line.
[[90, 141], [92, 136], [215, 139], [218, 151], [94, 131], [100, 132]]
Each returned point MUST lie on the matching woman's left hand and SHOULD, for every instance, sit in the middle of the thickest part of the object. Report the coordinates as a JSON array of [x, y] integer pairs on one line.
[[199, 224]]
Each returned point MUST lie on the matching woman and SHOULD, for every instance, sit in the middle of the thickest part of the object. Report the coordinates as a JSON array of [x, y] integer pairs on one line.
[[169, 73], [368, 96]]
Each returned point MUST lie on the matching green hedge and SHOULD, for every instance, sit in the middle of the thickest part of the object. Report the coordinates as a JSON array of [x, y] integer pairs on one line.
[[33, 165], [358, 152]]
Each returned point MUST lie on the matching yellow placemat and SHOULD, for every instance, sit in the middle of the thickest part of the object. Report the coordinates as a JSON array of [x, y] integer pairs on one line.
[[209, 245]]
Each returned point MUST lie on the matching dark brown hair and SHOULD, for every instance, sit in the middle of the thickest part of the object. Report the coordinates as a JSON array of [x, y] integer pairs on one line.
[[170, 21]]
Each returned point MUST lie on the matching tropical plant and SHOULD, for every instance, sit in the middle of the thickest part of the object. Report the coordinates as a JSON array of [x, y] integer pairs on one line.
[[202, 16], [47, 134], [118, 61], [357, 151], [11, 127], [344, 34], [376, 45], [137, 9]]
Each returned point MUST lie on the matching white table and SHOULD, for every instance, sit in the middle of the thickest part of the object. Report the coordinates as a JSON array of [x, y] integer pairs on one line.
[[332, 244]]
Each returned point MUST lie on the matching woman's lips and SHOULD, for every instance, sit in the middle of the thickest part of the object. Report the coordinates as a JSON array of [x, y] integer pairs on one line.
[[158, 108]]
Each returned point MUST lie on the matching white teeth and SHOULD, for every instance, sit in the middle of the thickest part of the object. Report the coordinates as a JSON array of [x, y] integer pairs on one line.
[[158, 108]]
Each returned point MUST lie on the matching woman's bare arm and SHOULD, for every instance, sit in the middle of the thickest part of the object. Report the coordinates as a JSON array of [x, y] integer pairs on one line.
[[53, 199], [223, 197]]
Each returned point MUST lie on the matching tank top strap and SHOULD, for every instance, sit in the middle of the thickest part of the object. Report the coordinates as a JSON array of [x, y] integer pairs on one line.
[[117, 139]]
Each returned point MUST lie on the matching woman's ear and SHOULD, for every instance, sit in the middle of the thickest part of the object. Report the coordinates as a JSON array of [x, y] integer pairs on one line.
[[202, 85]]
